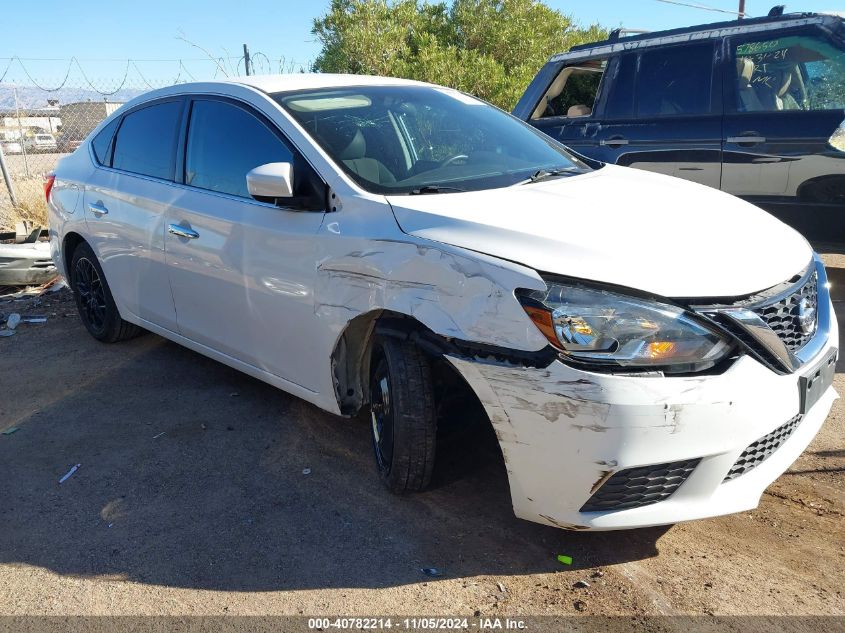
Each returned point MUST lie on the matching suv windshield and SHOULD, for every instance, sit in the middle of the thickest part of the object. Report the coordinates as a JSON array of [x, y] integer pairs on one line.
[[420, 139]]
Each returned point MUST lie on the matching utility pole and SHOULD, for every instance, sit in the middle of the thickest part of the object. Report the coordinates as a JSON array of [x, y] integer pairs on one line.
[[741, 9], [246, 59]]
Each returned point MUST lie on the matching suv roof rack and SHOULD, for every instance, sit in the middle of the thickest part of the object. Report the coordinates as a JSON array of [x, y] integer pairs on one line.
[[615, 34], [775, 14]]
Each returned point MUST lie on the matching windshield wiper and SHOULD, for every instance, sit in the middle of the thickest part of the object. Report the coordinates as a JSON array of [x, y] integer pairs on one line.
[[419, 191], [544, 174]]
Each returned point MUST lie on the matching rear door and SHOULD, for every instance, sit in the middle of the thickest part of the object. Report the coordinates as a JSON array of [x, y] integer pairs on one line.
[[125, 202], [242, 282], [662, 112], [785, 99]]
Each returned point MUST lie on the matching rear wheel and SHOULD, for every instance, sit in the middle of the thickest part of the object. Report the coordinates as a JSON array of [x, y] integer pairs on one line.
[[402, 415], [94, 300]]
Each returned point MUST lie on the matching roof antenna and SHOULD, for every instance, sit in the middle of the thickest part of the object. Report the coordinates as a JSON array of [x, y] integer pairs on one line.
[[777, 11]]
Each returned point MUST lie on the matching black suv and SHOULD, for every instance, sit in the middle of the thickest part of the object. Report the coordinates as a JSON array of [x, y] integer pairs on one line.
[[754, 107]]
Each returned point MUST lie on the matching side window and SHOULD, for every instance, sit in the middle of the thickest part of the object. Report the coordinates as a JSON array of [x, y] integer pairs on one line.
[[146, 140], [796, 72], [675, 80], [224, 143], [620, 99], [101, 144], [573, 92]]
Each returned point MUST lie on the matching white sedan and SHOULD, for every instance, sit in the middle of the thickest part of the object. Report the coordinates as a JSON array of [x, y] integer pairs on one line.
[[648, 350]]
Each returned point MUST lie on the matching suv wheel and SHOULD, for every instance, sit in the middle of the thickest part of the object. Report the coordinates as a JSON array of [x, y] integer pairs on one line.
[[402, 413], [94, 299]]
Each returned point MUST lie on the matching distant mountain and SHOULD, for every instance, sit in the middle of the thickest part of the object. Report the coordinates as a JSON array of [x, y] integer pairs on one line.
[[34, 97]]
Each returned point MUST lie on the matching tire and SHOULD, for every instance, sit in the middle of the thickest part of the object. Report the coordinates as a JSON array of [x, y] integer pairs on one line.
[[94, 300], [402, 415]]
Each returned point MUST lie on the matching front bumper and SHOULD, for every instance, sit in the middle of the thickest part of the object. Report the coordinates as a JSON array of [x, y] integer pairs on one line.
[[564, 431]]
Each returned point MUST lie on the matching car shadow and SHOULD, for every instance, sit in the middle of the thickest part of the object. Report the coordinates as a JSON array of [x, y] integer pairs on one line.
[[194, 475]]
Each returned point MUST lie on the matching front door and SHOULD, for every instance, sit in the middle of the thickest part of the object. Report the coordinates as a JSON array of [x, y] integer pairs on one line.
[[785, 101], [241, 270]]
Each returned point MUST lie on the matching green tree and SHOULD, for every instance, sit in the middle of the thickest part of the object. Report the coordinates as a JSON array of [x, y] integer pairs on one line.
[[490, 48]]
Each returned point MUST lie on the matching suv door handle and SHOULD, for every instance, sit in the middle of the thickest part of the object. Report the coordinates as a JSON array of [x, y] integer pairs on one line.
[[181, 231], [746, 141], [614, 141], [97, 208]]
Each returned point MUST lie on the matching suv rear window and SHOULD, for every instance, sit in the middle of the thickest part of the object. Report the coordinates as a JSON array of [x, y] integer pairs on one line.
[[675, 81], [146, 141]]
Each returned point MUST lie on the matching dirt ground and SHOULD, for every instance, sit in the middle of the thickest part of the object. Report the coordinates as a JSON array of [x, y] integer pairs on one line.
[[202, 491]]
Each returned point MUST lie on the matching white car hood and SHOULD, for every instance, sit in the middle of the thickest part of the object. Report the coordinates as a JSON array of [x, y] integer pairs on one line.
[[621, 226]]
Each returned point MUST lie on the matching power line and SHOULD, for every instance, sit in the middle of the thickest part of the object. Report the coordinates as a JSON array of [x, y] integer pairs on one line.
[[704, 8]]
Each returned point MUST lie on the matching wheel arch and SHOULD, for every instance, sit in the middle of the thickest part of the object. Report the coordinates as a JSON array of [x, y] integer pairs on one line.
[[350, 359], [70, 242]]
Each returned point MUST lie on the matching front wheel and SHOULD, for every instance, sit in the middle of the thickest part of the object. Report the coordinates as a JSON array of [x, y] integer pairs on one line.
[[402, 414]]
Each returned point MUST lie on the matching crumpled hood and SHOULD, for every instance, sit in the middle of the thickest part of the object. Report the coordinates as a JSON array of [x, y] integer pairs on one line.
[[618, 225]]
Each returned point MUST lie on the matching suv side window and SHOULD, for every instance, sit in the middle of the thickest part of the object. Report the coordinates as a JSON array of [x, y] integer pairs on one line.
[[620, 99], [793, 72], [224, 143], [574, 91], [146, 140], [101, 144], [675, 81]]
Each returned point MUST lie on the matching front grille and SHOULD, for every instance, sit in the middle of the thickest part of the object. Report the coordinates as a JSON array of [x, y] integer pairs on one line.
[[759, 451], [783, 316], [637, 487]]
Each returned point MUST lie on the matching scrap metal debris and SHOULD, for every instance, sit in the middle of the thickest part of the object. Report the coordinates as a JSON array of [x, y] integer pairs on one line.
[[69, 473], [26, 264], [431, 571]]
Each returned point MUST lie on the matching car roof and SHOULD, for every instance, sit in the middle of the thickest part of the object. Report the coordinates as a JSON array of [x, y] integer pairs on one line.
[[316, 81], [619, 44]]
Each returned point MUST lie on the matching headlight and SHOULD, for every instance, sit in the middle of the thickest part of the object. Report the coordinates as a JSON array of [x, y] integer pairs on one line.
[[601, 327]]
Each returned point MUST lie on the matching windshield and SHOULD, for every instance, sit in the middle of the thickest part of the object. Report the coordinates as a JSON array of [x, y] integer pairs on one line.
[[424, 139]]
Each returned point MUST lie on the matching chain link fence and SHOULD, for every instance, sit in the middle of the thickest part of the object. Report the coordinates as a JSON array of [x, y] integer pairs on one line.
[[48, 107]]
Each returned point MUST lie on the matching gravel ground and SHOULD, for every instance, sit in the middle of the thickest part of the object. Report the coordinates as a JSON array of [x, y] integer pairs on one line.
[[204, 492]]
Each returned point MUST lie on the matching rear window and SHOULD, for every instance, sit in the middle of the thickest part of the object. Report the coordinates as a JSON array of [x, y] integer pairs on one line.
[[146, 141], [675, 81]]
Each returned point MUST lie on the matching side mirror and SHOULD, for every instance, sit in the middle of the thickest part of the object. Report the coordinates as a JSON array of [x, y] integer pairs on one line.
[[273, 180]]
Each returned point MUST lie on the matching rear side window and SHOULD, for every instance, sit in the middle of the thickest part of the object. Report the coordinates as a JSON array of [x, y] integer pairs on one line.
[[146, 141], [793, 72], [102, 143], [224, 143], [675, 81]]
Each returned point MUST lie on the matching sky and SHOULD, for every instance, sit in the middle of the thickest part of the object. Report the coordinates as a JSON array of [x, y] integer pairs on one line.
[[103, 35]]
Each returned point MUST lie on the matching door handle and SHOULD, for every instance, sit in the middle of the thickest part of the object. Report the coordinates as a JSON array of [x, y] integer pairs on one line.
[[181, 231], [615, 141], [746, 141], [97, 208]]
